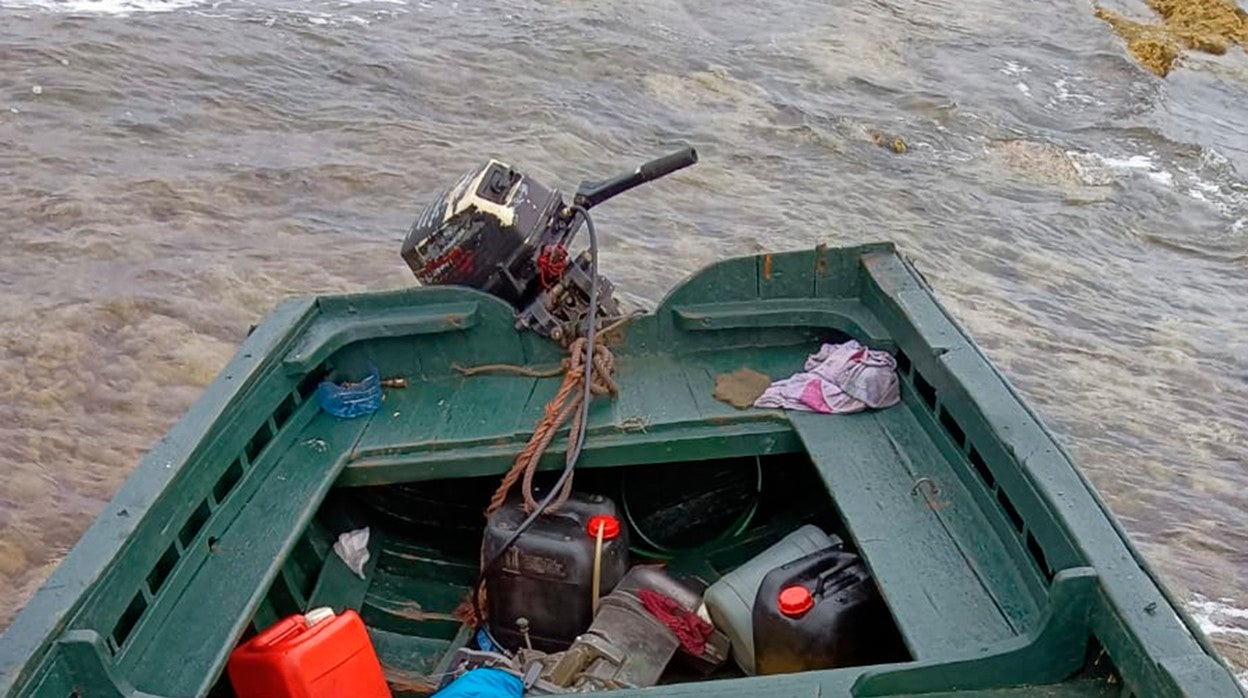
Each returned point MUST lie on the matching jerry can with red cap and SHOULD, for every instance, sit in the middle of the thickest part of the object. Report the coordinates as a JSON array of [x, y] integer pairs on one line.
[[822, 611], [319, 654], [542, 585]]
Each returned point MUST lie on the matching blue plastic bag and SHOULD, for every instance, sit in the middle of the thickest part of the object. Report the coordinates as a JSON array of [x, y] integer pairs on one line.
[[483, 683], [351, 400], [483, 642]]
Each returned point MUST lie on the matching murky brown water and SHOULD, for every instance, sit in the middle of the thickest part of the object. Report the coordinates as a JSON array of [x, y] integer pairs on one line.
[[165, 178]]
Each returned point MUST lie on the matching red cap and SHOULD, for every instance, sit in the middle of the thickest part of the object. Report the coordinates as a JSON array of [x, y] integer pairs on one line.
[[609, 524], [795, 601]]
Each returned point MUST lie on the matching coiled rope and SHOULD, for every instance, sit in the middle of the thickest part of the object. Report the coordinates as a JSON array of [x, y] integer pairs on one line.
[[564, 405]]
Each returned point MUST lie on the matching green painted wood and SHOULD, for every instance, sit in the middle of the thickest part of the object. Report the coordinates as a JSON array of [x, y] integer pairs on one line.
[[56, 681], [701, 378], [785, 276], [848, 316], [458, 423], [1051, 654], [340, 588], [909, 310], [333, 335], [420, 607], [265, 614], [88, 659], [483, 407], [244, 561], [837, 684], [654, 390], [193, 551], [408, 661], [728, 281], [757, 434], [1002, 568], [937, 598], [408, 418], [544, 389]]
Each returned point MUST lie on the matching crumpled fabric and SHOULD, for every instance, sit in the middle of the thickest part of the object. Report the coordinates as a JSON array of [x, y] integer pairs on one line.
[[690, 630], [838, 379], [352, 547]]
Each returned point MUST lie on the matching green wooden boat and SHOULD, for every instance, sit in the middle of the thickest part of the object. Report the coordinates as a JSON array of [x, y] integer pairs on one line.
[[1003, 571]]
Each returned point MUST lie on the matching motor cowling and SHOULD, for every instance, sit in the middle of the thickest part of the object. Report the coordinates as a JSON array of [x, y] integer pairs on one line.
[[500, 231], [485, 232]]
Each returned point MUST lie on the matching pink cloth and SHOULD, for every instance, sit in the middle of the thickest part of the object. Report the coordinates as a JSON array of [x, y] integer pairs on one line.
[[838, 379]]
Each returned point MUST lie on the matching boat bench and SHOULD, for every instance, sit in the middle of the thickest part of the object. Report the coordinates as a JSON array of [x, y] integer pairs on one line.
[[927, 543], [662, 403], [227, 588]]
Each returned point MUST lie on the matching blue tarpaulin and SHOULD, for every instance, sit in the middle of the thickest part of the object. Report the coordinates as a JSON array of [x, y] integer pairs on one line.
[[483, 683]]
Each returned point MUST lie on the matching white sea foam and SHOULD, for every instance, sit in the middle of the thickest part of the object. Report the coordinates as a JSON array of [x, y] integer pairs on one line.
[[1098, 170], [1218, 617], [1211, 181], [1013, 68], [101, 7], [330, 12], [1064, 94]]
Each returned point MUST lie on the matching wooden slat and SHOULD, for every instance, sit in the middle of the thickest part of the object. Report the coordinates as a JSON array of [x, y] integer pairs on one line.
[[485, 407], [407, 417], [848, 315], [337, 586], [336, 332], [937, 597], [215, 606], [654, 390], [786, 276], [456, 411], [755, 432], [964, 519]]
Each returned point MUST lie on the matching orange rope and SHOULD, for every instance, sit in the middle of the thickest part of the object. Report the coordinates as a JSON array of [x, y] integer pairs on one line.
[[564, 405]]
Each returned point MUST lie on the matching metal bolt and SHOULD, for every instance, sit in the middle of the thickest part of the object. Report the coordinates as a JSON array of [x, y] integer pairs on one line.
[[522, 624]]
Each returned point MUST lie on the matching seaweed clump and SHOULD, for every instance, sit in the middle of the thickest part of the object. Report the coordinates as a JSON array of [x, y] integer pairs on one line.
[[1211, 26], [897, 144]]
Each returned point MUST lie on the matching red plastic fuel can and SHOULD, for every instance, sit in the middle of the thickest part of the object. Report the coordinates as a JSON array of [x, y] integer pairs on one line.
[[314, 655]]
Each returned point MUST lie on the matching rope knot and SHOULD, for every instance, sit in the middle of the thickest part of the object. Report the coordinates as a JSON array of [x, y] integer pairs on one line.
[[564, 405], [602, 378]]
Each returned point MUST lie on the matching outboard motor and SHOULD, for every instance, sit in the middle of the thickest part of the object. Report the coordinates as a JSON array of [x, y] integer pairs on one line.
[[501, 231]]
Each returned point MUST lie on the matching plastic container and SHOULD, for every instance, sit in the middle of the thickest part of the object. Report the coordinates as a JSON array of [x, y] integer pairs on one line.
[[730, 601], [315, 655], [546, 576], [822, 611]]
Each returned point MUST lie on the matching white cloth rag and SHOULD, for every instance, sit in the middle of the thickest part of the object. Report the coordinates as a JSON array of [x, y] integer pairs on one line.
[[838, 379], [352, 547]]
